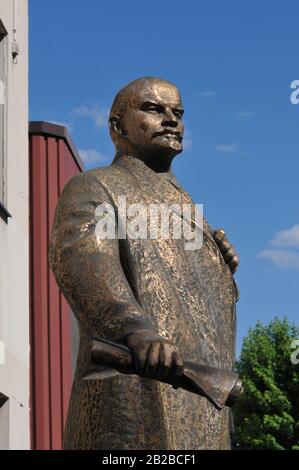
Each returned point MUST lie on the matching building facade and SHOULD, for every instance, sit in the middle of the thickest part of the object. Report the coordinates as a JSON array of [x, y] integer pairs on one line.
[[14, 227], [38, 335], [54, 160]]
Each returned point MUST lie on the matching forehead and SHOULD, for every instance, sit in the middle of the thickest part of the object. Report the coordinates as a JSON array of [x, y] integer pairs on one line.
[[160, 92]]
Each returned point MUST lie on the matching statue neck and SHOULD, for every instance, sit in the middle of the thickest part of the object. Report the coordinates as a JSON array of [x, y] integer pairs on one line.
[[157, 163]]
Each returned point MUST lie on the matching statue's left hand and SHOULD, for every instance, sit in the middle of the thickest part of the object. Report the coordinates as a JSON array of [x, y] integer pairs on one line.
[[227, 249]]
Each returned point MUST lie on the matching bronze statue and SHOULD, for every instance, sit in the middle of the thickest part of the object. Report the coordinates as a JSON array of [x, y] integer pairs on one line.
[[154, 301]]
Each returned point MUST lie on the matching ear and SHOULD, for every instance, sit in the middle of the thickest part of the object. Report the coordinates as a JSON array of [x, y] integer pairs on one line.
[[115, 124]]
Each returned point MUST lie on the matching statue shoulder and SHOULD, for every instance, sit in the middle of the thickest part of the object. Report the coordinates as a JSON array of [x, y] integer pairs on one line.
[[111, 178], [80, 197], [88, 181]]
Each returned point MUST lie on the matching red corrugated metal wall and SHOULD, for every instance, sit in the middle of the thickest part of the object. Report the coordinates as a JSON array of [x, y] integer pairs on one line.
[[53, 161]]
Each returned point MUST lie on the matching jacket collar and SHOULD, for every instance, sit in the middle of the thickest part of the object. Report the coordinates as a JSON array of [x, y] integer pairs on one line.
[[153, 183]]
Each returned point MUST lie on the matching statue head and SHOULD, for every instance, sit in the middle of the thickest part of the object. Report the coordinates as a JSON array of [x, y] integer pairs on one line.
[[146, 119]]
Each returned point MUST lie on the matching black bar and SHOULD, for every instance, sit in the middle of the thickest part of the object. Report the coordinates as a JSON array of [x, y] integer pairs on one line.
[[138, 459]]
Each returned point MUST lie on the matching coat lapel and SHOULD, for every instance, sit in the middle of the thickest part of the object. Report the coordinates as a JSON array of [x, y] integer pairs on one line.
[[158, 189], [153, 185]]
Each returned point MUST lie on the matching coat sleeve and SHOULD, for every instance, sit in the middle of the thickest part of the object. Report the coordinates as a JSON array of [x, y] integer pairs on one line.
[[88, 269]]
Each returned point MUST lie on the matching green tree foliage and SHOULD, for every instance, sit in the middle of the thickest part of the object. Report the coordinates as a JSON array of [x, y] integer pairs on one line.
[[267, 415]]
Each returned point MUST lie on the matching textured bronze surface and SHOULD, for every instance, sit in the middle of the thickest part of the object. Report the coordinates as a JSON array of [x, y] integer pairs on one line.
[[218, 386], [152, 295]]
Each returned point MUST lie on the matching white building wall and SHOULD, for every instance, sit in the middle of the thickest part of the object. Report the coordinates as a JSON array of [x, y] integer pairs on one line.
[[14, 242]]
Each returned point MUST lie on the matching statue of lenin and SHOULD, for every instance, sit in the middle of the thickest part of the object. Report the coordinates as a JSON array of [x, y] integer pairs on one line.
[[165, 303]]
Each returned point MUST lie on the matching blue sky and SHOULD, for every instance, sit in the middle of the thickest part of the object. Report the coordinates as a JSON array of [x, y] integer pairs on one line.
[[233, 62]]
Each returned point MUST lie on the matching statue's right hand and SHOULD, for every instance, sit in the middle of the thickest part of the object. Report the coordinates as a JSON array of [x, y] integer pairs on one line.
[[155, 357]]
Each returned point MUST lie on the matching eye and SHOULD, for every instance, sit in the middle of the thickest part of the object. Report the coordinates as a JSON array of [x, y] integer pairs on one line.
[[178, 113], [152, 108]]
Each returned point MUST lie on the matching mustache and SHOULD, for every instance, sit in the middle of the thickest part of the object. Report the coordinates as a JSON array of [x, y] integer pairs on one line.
[[168, 131]]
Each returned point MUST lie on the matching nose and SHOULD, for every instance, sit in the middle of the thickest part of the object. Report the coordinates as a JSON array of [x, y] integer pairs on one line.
[[169, 119]]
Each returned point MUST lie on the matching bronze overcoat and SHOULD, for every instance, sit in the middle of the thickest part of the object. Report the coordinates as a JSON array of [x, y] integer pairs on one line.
[[117, 286]]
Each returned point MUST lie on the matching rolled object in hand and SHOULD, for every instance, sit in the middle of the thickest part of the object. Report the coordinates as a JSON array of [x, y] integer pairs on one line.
[[220, 387]]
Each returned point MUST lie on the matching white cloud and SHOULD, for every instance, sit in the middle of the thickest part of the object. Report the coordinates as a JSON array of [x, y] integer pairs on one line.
[[245, 114], [287, 238], [187, 141], [206, 93], [281, 258], [92, 157], [227, 148], [98, 115]]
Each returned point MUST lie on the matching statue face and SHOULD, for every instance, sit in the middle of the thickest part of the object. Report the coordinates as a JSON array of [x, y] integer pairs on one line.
[[153, 121]]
